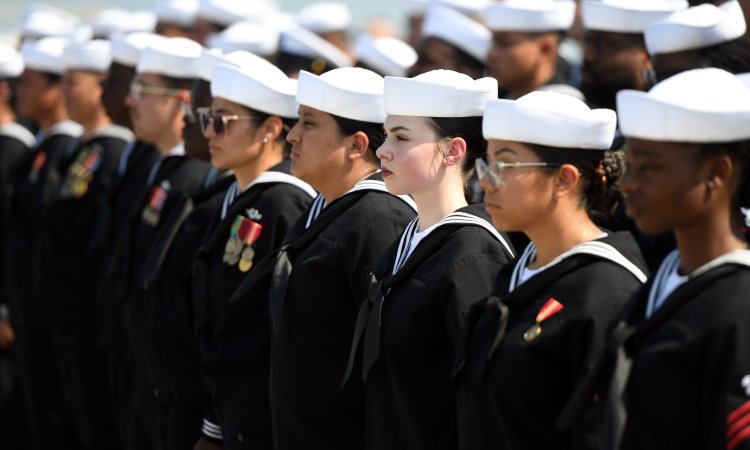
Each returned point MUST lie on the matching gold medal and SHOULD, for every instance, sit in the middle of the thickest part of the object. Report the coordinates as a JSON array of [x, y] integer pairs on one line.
[[532, 333], [231, 258], [246, 263], [78, 188]]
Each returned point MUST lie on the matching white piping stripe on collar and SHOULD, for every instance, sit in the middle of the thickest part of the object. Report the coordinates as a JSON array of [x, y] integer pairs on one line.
[[365, 185], [267, 177], [403, 253], [272, 176], [19, 133], [594, 248], [66, 127], [672, 262], [317, 206]]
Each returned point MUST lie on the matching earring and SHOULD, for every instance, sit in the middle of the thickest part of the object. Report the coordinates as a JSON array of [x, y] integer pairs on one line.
[[710, 185], [265, 140]]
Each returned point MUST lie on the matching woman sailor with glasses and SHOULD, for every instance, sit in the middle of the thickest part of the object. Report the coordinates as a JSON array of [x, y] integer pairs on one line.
[[444, 261], [321, 274], [525, 348], [246, 129]]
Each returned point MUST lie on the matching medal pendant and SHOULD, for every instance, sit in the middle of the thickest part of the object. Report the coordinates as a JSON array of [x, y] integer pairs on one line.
[[79, 188], [532, 333], [246, 263]]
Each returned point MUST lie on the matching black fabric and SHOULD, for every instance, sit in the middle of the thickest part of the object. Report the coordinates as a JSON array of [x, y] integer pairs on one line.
[[49, 424], [235, 338], [331, 262], [690, 365], [14, 157], [170, 346], [68, 267], [416, 326], [512, 390]]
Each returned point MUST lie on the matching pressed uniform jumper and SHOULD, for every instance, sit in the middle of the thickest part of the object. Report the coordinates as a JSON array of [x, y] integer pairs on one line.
[[412, 323], [527, 347], [320, 279], [235, 338]]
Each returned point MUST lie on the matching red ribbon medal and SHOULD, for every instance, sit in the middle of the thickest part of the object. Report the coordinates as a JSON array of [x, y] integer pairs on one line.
[[39, 160], [152, 212], [549, 309]]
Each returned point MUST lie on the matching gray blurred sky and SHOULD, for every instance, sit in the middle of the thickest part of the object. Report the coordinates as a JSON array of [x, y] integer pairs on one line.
[[362, 10]]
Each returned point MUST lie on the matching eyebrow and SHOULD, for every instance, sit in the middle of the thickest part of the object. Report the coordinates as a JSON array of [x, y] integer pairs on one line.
[[503, 150], [398, 128]]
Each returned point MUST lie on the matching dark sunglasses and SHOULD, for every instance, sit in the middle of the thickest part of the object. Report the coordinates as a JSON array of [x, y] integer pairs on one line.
[[218, 122]]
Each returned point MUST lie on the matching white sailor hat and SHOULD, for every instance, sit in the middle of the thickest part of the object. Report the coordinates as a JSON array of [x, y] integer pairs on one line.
[[416, 8], [244, 59], [458, 30], [698, 27], [325, 17], [530, 15], [227, 12], [92, 56], [745, 78], [246, 35], [45, 55], [262, 87], [178, 12], [471, 8], [11, 62], [551, 119], [626, 16], [127, 48], [171, 57], [42, 23], [301, 42], [699, 106], [350, 92], [113, 20], [385, 55], [438, 93], [204, 65]]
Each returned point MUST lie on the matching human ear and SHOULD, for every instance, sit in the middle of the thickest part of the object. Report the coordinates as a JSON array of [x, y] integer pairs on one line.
[[358, 146], [568, 177], [454, 151]]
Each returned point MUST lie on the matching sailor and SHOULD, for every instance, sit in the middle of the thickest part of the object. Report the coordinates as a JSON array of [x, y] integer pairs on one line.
[[701, 36], [39, 97], [68, 260], [445, 261], [676, 375], [526, 347], [320, 275]]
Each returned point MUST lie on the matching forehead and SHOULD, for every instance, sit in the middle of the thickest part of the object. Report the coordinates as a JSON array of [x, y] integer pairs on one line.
[[151, 79], [643, 148], [498, 147], [436, 48], [410, 122]]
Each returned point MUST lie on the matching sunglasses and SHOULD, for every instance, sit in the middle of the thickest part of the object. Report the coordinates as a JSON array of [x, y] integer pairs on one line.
[[495, 169], [218, 122], [137, 90]]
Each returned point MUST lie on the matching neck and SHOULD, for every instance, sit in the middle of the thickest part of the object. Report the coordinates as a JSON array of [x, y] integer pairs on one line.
[[541, 76], [695, 250], [6, 114], [558, 233], [248, 173], [435, 204], [51, 117], [167, 142], [96, 122], [338, 187]]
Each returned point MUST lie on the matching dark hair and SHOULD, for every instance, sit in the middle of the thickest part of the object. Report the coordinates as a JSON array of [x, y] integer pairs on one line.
[[178, 83], [467, 128], [52, 78], [600, 173], [373, 130], [739, 152], [732, 56], [287, 124]]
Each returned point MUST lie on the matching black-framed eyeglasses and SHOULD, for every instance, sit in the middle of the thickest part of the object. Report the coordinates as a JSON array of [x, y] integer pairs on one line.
[[137, 90], [494, 169], [218, 122]]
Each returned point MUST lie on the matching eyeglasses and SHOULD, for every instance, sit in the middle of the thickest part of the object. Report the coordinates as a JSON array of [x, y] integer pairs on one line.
[[495, 169], [217, 121], [137, 89]]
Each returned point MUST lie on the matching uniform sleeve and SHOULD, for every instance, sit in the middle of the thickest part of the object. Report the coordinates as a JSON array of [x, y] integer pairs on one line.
[[737, 409]]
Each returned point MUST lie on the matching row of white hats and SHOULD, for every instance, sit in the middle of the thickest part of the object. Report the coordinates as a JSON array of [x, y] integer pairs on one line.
[[668, 24], [701, 105], [39, 20]]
